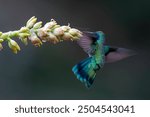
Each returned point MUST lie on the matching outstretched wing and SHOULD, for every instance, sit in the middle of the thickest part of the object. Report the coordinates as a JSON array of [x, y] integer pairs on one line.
[[87, 42], [113, 54]]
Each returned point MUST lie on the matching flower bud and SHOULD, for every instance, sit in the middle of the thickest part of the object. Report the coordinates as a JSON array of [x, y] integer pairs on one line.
[[35, 40], [31, 22], [75, 38], [41, 33], [24, 40], [13, 46], [52, 38], [30, 19], [74, 32], [37, 25], [50, 25], [79, 34], [58, 31], [24, 30], [5, 35], [23, 35], [54, 27], [65, 28], [67, 36]]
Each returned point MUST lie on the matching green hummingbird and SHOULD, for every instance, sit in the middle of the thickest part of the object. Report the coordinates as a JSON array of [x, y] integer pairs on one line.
[[99, 53]]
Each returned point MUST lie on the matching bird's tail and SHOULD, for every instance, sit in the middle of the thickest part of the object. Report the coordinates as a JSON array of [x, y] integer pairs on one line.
[[86, 71]]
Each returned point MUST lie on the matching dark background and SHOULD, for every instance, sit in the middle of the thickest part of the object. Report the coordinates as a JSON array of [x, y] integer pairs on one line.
[[45, 72]]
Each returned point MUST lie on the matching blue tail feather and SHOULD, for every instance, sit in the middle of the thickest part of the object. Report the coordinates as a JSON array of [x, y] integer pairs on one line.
[[85, 71]]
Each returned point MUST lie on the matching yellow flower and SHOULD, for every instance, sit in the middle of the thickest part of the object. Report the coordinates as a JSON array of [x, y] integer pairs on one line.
[[13, 46]]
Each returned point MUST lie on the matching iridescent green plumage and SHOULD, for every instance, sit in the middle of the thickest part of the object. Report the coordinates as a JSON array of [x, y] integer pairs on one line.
[[86, 69]]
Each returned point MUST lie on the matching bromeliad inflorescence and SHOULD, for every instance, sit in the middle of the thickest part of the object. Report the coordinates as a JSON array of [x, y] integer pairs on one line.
[[33, 31]]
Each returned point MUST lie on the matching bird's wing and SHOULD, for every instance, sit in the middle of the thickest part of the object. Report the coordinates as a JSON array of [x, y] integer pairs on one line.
[[87, 42], [113, 54]]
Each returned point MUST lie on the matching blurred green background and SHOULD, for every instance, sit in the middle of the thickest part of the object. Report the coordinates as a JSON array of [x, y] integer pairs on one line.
[[45, 72]]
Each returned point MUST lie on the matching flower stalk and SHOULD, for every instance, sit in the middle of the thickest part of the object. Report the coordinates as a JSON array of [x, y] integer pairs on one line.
[[34, 32]]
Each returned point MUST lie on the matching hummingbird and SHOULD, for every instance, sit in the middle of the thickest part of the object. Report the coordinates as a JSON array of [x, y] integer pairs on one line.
[[93, 43]]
